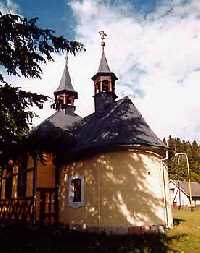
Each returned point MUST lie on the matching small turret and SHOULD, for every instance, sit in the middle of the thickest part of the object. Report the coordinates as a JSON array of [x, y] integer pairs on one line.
[[65, 93], [104, 81]]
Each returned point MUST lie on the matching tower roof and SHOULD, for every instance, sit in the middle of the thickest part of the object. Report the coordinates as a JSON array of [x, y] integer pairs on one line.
[[65, 82], [103, 66]]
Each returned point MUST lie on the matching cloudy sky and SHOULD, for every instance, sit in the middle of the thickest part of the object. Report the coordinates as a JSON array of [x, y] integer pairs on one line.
[[153, 46]]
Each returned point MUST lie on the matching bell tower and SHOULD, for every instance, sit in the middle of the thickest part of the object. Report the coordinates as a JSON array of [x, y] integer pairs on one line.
[[65, 93], [104, 81]]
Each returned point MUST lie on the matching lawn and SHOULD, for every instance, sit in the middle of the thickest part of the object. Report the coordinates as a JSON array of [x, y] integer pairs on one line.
[[183, 238]]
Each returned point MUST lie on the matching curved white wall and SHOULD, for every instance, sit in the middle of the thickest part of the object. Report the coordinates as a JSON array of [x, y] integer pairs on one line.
[[121, 190]]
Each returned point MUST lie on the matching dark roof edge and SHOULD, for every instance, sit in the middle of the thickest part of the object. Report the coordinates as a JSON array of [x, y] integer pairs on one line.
[[104, 74], [71, 92]]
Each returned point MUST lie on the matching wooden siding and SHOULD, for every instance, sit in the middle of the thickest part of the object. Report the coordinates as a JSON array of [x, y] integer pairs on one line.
[[29, 183], [38, 200], [45, 172]]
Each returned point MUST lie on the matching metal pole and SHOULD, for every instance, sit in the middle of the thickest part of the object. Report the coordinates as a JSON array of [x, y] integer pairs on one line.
[[189, 183]]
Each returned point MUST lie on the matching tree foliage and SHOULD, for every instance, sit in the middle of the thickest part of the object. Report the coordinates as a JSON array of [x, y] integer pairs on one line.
[[178, 166], [23, 47]]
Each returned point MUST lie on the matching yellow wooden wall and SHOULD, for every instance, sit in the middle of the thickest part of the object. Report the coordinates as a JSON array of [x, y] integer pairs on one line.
[[121, 189], [45, 172], [45, 176]]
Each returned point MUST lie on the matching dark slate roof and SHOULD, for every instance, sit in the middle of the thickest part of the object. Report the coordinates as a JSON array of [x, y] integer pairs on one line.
[[65, 82], [62, 120], [119, 124], [58, 128], [195, 187]]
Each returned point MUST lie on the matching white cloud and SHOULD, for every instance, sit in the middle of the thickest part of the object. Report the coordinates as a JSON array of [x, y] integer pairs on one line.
[[9, 7], [156, 59]]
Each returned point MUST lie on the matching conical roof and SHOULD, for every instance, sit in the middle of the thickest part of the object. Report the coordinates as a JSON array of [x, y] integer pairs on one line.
[[65, 82], [103, 66]]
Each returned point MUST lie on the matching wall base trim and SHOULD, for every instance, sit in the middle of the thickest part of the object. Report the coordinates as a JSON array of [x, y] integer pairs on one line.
[[120, 230]]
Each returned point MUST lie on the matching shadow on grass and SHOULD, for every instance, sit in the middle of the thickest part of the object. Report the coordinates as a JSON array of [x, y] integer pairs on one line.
[[15, 238]]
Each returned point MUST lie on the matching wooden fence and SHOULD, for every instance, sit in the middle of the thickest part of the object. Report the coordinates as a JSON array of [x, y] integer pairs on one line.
[[17, 210]]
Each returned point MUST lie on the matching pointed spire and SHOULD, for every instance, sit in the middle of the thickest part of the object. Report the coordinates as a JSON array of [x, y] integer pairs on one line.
[[103, 66], [104, 82], [65, 82], [65, 93]]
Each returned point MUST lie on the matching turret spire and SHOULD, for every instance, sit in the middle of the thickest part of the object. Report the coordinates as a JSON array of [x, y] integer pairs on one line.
[[65, 82], [65, 93], [104, 81], [103, 66]]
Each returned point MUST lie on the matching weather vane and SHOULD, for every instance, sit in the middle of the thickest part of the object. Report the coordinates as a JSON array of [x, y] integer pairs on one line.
[[103, 35]]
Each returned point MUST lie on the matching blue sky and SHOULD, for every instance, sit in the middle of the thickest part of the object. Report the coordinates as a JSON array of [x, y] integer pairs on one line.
[[152, 46], [58, 15]]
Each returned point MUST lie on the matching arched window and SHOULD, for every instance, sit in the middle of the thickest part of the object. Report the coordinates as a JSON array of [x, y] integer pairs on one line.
[[76, 191], [105, 86], [97, 87], [69, 100], [76, 182], [61, 100]]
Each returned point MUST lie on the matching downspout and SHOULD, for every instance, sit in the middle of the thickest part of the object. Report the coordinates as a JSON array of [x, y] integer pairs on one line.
[[179, 195], [164, 188]]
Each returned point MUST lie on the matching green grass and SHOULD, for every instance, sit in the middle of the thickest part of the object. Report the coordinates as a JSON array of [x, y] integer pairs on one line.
[[185, 236]]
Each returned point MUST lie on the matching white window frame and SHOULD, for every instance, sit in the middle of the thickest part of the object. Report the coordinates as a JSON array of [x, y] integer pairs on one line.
[[71, 192]]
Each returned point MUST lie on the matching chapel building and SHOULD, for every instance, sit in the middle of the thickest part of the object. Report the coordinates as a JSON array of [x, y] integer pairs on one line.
[[108, 173]]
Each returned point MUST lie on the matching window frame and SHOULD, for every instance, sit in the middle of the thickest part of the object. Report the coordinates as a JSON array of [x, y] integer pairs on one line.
[[71, 192]]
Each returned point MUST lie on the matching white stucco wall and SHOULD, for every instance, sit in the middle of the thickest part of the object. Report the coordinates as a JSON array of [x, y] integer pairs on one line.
[[121, 189]]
